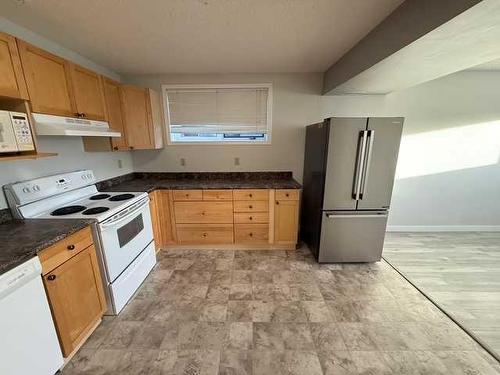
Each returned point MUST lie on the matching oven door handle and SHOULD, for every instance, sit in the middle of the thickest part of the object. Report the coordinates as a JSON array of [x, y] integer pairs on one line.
[[127, 215]]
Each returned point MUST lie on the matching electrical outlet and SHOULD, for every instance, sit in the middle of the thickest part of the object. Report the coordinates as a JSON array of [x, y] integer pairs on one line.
[[183, 162], [236, 161], [120, 164]]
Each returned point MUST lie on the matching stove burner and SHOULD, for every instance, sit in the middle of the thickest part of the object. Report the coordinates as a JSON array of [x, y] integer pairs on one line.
[[121, 197], [68, 210], [98, 197], [95, 210]]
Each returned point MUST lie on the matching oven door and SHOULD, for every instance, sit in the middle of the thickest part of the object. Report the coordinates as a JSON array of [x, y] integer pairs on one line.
[[124, 236]]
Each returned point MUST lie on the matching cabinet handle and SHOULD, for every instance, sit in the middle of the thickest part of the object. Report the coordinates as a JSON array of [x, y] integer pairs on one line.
[[250, 195], [203, 213], [115, 148], [71, 247], [251, 218], [131, 147], [250, 234], [250, 206], [277, 202], [51, 277], [287, 194], [204, 234]]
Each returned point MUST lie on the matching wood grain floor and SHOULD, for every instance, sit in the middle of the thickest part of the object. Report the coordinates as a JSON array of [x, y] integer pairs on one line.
[[459, 271]]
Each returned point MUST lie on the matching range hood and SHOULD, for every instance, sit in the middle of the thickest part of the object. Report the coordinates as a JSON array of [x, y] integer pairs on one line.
[[58, 125]]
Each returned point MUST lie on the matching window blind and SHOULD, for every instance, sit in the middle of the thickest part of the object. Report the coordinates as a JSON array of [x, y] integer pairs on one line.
[[219, 110]]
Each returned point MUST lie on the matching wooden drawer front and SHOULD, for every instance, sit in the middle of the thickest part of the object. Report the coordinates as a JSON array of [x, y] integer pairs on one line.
[[65, 249], [251, 217], [287, 195], [251, 206], [203, 212], [251, 194], [251, 233], [217, 195], [204, 234], [188, 195]]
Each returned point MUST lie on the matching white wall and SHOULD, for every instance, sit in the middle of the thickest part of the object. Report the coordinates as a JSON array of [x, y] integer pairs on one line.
[[296, 103], [70, 149], [448, 175]]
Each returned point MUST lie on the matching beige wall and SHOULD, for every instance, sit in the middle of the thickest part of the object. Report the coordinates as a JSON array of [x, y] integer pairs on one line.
[[296, 103]]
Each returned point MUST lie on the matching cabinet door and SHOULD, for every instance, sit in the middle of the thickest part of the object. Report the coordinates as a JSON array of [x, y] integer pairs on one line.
[[115, 115], [12, 82], [88, 91], [164, 205], [136, 117], [76, 298], [49, 81], [286, 221]]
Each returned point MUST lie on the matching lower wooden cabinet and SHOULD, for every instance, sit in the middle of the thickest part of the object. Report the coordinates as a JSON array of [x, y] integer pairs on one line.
[[252, 218], [286, 222], [75, 290], [161, 215]]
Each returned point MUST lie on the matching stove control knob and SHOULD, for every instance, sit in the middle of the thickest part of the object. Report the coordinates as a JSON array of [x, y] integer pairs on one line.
[[36, 188], [26, 190]]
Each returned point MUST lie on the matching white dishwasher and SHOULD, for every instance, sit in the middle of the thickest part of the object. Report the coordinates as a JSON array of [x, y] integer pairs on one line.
[[28, 343]]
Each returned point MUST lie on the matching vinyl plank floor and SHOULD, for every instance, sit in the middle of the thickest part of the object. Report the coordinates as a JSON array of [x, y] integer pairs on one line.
[[458, 271]]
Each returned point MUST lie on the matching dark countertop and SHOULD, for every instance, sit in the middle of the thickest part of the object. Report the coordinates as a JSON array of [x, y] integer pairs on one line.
[[21, 240], [183, 181]]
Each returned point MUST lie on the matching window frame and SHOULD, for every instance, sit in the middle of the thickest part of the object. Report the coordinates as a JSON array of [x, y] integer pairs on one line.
[[194, 86]]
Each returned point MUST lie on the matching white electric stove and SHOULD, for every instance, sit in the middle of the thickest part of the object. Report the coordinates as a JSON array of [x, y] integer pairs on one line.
[[122, 231]]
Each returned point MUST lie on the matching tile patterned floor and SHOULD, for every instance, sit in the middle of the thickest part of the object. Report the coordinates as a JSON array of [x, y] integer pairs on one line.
[[273, 313], [459, 271]]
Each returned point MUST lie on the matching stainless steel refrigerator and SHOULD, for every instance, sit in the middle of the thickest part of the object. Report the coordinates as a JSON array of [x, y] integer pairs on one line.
[[348, 177]]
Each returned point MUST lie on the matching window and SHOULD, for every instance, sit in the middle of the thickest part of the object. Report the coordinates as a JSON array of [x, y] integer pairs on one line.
[[223, 114]]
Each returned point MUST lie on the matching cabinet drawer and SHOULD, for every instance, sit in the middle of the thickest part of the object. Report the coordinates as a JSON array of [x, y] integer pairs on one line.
[[65, 249], [251, 217], [287, 195], [251, 233], [251, 206], [205, 234], [251, 194], [217, 195], [188, 195], [203, 212]]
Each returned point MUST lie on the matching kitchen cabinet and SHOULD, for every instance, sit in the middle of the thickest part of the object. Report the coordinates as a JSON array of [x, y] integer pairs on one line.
[[286, 217], [48, 79], [88, 92], [115, 115], [232, 219], [12, 83], [74, 287], [143, 121], [161, 215]]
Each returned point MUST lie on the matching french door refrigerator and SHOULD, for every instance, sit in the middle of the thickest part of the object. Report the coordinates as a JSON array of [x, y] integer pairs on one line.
[[348, 177]]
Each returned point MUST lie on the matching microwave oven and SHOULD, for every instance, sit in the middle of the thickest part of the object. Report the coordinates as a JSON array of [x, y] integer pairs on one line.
[[15, 132]]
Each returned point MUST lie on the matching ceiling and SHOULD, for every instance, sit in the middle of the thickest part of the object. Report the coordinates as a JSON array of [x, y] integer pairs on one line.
[[203, 36], [489, 66]]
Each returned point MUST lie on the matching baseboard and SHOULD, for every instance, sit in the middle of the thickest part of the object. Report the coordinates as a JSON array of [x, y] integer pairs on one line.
[[443, 228]]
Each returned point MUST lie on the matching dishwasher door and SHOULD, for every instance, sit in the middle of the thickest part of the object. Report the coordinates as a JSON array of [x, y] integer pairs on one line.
[[352, 236], [29, 344]]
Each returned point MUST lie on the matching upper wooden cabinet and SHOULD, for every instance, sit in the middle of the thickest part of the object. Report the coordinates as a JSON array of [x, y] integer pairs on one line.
[[115, 115], [142, 117], [48, 78], [12, 83], [88, 92]]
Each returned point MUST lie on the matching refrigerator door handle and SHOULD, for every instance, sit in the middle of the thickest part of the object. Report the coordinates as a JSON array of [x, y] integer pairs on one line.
[[366, 164], [360, 159], [340, 216]]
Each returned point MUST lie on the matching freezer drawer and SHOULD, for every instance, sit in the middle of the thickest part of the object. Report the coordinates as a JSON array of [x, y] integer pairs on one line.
[[352, 236]]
